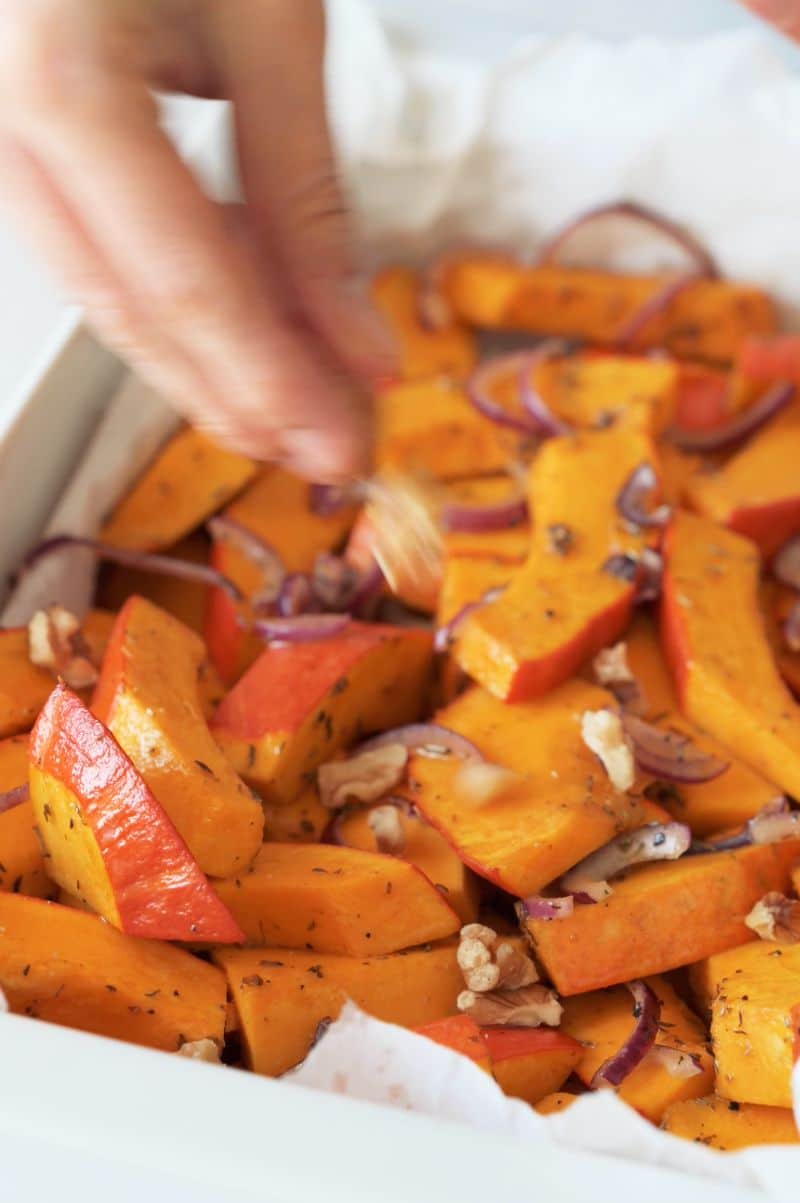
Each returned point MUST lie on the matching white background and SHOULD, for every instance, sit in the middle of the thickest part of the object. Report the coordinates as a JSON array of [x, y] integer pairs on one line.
[[30, 304]]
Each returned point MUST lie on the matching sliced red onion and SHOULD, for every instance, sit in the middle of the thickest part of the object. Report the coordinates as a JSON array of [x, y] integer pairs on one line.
[[537, 907], [426, 739], [670, 755], [445, 635], [13, 797], [703, 261], [645, 570], [633, 497], [479, 391], [653, 308], [534, 404], [363, 777], [300, 628], [678, 1062], [791, 628], [478, 519], [654, 841], [774, 398], [325, 500], [264, 557], [296, 595], [143, 561], [334, 581], [786, 564], [646, 1012], [368, 592]]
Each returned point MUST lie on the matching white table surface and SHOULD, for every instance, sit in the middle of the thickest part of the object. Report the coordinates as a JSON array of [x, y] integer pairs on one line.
[[31, 305]]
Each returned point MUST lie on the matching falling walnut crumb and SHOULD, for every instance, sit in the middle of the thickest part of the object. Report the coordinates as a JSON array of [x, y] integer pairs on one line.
[[55, 642], [603, 734], [488, 962], [365, 777], [529, 1007], [200, 1050], [385, 824], [611, 665]]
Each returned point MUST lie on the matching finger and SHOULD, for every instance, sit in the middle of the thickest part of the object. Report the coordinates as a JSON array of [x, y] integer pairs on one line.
[[43, 216], [783, 14], [273, 66], [170, 248]]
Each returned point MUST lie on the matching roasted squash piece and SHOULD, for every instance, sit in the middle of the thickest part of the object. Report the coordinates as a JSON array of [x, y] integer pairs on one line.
[[301, 703], [716, 646], [661, 916], [148, 698], [422, 351], [466, 579], [712, 806], [22, 866], [462, 1035], [300, 822], [429, 428], [563, 604], [725, 1124], [282, 996], [754, 997], [757, 491], [184, 600], [190, 478], [424, 847], [107, 839], [561, 807], [560, 1100], [591, 391], [530, 1063], [510, 544], [707, 320], [340, 900], [603, 1020], [276, 507], [67, 967], [677, 469], [24, 688]]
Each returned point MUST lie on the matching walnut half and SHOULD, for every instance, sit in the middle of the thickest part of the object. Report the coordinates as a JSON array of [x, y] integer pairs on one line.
[[55, 642], [489, 963], [528, 1007]]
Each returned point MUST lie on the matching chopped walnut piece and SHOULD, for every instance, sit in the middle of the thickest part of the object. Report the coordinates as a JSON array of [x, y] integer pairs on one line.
[[530, 1007], [477, 782], [200, 1050], [55, 642], [775, 917], [603, 734], [611, 665], [365, 777], [488, 962], [384, 823], [560, 538]]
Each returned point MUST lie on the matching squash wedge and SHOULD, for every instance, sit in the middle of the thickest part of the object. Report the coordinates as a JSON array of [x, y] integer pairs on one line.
[[423, 352], [724, 1124]]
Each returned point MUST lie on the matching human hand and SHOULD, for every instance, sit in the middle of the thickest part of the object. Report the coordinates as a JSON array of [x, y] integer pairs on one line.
[[256, 333]]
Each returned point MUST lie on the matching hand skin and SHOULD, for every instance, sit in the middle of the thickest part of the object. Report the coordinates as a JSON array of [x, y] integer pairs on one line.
[[257, 329]]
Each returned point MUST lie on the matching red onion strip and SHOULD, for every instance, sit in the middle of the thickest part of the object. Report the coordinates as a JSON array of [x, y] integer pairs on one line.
[[646, 1012], [537, 907], [296, 595], [444, 636], [478, 519], [534, 404], [13, 797], [791, 628], [653, 842], [775, 398], [427, 739], [678, 1062], [645, 570], [633, 496], [786, 564], [143, 561], [256, 549], [479, 391], [325, 500], [703, 261], [670, 755], [300, 628], [653, 308]]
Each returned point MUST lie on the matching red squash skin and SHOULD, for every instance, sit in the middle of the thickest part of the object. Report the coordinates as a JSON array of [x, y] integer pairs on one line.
[[159, 890], [504, 1043]]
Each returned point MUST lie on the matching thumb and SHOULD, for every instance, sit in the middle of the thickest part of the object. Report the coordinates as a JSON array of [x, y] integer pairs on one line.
[[273, 60]]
